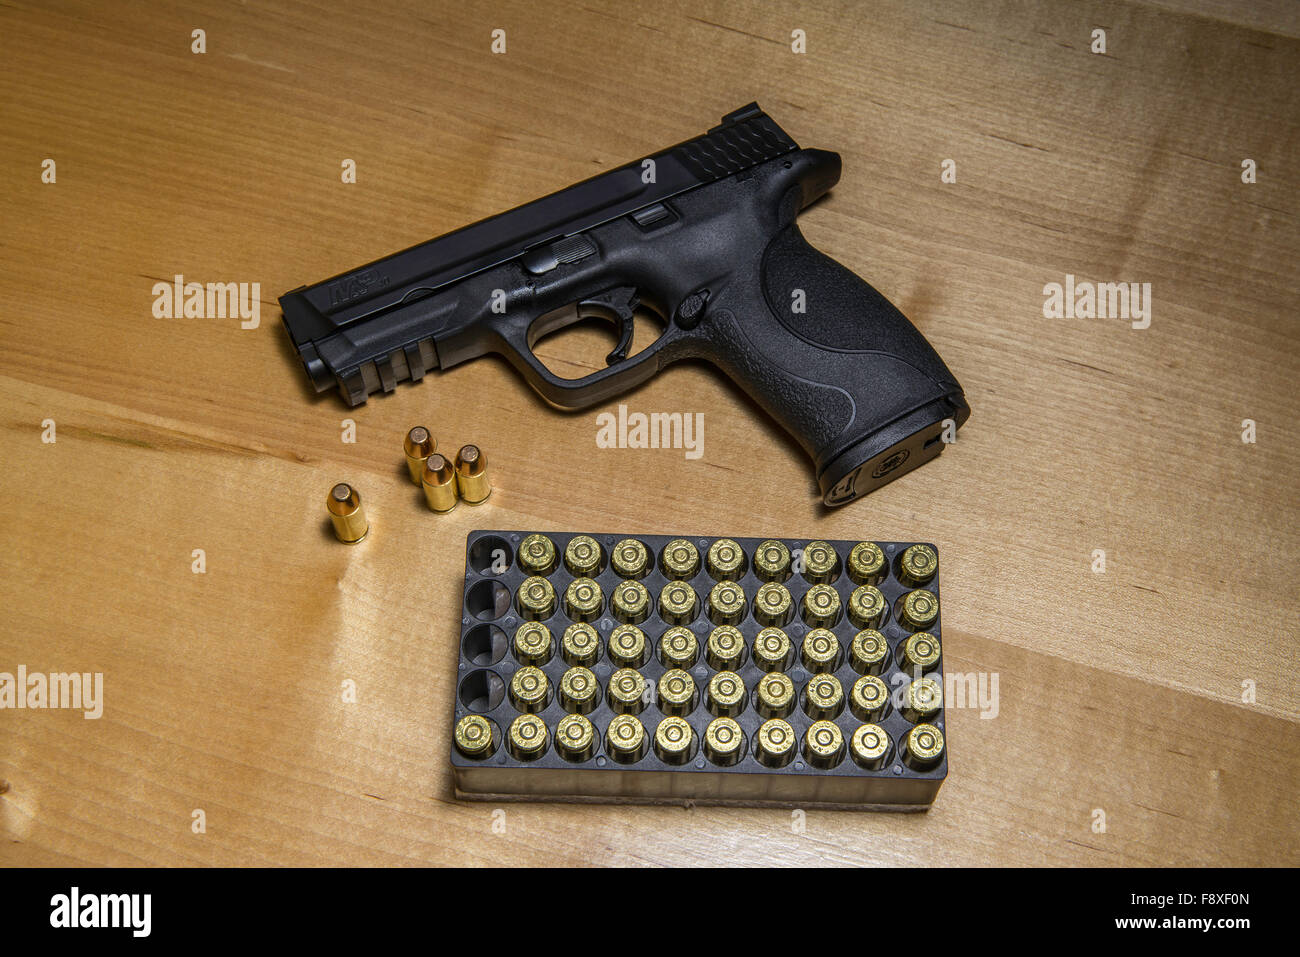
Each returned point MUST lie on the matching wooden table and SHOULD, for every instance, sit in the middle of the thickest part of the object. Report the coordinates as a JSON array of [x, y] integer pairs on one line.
[[1125, 695]]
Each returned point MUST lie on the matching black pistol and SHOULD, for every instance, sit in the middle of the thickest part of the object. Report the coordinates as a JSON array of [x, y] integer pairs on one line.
[[704, 234]]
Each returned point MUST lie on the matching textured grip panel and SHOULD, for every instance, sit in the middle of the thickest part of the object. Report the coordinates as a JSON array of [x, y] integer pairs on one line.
[[842, 312], [812, 410]]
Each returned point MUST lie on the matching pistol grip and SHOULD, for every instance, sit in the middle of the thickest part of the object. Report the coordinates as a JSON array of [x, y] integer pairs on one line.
[[837, 365]]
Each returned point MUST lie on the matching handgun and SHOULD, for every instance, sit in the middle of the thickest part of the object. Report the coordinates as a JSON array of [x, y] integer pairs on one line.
[[704, 234]]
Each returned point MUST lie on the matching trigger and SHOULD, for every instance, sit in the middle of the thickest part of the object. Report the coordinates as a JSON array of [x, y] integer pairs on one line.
[[619, 304]]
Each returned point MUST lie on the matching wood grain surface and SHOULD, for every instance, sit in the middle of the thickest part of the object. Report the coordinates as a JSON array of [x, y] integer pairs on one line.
[[1161, 692]]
